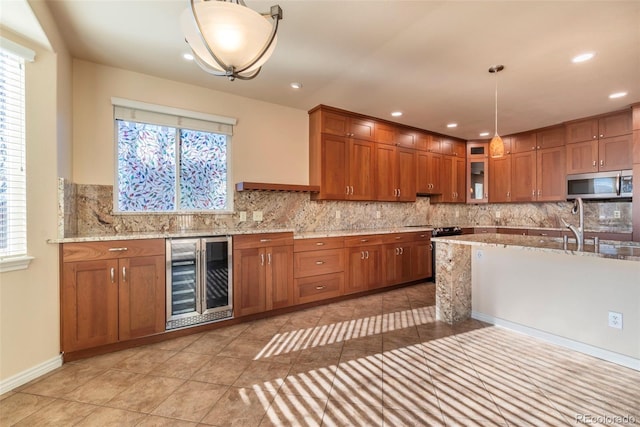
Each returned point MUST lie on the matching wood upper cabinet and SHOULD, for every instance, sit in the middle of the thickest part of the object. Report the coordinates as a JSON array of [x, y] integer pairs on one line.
[[263, 272], [385, 133], [551, 137], [600, 144], [335, 123], [453, 180], [111, 291], [395, 173], [341, 156], [538, 175], [406, 138], [523, 142], [477, 190], [500, 179], [428, 173], [452, 147]]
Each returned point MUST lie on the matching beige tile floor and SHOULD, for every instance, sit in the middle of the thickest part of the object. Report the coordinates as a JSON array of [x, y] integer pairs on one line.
[[372, 361]]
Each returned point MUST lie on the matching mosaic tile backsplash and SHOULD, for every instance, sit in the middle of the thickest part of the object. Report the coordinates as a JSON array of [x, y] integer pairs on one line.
[[87, 210]]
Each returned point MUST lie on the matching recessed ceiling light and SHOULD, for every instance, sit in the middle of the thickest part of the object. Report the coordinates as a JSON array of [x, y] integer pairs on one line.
[[396, 113], [583, 57], [296, 85], [484, 134], [617, 95], [452, 125], [188, 56]]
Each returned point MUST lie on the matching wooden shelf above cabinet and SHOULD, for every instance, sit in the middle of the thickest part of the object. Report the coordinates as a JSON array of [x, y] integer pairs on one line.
[[263, 186]]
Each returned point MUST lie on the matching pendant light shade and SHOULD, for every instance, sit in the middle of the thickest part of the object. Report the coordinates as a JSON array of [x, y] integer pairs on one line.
[[229, 39], [496, 146]]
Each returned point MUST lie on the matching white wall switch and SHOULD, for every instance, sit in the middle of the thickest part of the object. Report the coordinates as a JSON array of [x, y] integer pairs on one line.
[[257, 215], [378, 215], [498, 214], [243, 216]]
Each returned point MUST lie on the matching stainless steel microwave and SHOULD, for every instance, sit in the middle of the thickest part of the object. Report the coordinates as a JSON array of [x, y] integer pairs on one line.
[[601, 185]]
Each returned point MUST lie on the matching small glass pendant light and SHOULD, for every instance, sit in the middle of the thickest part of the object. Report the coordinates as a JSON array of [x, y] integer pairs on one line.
[[496, 146]]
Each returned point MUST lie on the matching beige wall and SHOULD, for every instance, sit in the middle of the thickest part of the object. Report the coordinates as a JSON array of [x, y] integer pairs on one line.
[[564, 295], [29, 299], [270, 143]]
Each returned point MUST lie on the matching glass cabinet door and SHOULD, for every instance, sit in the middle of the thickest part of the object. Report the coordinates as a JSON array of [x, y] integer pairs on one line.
[[477, 172], [216, 274], [183, 278]]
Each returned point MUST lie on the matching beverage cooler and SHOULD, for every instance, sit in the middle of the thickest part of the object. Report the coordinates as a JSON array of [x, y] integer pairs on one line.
[[199, 281]]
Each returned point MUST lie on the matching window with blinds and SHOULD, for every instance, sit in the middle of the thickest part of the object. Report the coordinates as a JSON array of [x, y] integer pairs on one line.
[[171, 160], [13, 203]]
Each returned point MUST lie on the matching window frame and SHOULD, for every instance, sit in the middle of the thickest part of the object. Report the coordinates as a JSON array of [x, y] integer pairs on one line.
[[19, 260], [153, 113]]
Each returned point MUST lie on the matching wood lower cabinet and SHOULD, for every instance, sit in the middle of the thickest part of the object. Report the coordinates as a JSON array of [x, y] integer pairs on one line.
[[263, 272], [363, 256], [318, 269], [111, 291]]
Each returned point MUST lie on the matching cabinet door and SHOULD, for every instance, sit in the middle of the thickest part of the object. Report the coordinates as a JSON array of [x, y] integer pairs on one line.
[[477, 180], [549, 138], [550, 175], [333, 183], [141, 296], [500, 179], [89, 304], [335, 124], [361, 170], [397, 265], [523, 176], [582, 131], [279, 277], [249, 288], [523, 142], [435, 173], [407, 138], [362, 128], [422, 173], [406, 174], [356, 277], [385, 133], [582, 157], [615, 153], [421, 260], [373, 265], [386, 173], [615, 125], [459, 179], [446, 179]]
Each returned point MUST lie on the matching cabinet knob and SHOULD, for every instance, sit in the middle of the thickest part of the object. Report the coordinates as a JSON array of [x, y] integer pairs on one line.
[[595, 136], [601, 135], [594, 163], [538, 147]]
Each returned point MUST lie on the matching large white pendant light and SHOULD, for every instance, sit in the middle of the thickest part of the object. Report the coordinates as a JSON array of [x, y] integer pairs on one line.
[[229, 39], [496, 146]]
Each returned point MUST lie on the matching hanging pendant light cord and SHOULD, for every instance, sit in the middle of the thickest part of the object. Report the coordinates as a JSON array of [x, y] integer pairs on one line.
[[496, 128]]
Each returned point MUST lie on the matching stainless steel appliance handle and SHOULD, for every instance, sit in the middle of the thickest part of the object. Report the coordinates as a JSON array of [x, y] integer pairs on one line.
[[618, 184]]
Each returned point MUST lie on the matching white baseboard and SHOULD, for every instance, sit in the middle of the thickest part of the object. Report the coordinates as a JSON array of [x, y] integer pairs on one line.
[[610, 356], [30, 374]]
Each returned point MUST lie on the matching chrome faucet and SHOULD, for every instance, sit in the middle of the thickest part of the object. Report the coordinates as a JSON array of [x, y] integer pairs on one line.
[[578, 231]]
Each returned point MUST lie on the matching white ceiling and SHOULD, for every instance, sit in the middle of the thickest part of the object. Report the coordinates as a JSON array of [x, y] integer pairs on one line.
[[429, 59]]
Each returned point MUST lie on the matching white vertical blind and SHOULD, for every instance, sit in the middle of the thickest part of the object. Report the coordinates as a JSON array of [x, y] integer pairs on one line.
[[13, 203]]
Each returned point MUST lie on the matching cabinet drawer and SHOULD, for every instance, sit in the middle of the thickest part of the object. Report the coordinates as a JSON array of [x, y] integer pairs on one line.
[[421, 236], [365, 240], [87, 251], [303, 245], [317, 288], [313, 263], [397, 238], [247, 241]]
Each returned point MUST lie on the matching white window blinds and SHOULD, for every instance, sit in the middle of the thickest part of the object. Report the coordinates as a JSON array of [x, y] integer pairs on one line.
[[13, 197]]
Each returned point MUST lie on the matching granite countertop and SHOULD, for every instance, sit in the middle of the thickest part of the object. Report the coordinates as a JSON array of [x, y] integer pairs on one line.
[[603, 229], [607, 249], [232, 232]]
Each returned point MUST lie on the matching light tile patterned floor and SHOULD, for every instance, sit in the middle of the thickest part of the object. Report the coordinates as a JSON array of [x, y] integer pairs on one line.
[[372, 361]]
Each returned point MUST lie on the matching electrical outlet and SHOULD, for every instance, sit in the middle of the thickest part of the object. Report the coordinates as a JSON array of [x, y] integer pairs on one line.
[[457, 213], [337, 214], [615, 320], [243, 216], [498, 214], [616, 214], [257, 215], [378, 215]]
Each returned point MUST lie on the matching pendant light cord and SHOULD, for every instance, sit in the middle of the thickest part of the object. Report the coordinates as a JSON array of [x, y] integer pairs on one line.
[[496, 128]]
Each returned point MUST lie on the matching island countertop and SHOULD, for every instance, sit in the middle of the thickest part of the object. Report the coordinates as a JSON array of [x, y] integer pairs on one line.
[[629, 251]]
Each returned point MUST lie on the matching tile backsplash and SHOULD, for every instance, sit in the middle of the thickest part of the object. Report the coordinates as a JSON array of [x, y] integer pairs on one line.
[[86, 210]]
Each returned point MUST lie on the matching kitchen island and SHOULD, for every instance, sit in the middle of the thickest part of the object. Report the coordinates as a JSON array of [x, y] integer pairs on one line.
[[532, 284]]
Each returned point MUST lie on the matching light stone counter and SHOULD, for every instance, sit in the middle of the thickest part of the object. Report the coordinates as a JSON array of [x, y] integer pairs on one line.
[[607, 249], [232, 232]]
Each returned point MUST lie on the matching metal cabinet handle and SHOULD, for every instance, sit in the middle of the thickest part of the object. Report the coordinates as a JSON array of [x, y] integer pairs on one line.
[[366, 254], [347, 190], [364, 240], [508, 193], [533, 193], [594, 162], [118, 249], [124, 274], [431, 246], [265, 240], [269, 258], [319, 243], [351, 189], [401, 251], [361, 254], [319, 262], [399, 193], [538, 193], [398, 237], [261, 259], [113, 275], [319, 288], [397, 251], [601, 162]]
